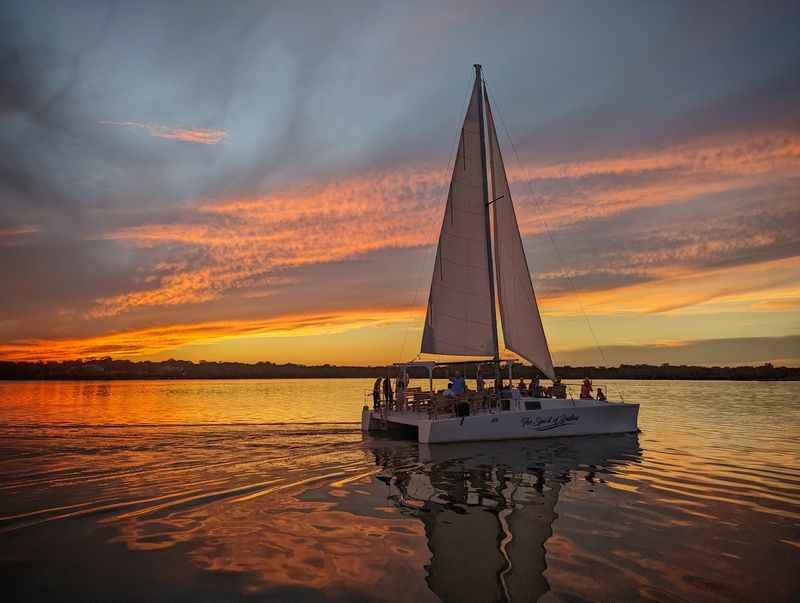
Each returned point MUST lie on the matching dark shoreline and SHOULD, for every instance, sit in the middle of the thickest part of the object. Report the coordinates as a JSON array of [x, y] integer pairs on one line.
[[109, 369]]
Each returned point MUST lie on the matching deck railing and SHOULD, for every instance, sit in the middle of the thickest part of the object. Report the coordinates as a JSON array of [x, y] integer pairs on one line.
[[436, 404]]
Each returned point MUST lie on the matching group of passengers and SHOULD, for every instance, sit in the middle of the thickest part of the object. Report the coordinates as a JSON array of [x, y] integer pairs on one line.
[[586, 391], [458, 386], [384, 385], [532, 389]]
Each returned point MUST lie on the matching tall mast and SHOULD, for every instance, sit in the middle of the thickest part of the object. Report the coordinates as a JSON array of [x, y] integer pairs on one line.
[[489, 255]]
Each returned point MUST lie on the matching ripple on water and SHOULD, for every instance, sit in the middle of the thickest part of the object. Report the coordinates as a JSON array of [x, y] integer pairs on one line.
[[237, 488]]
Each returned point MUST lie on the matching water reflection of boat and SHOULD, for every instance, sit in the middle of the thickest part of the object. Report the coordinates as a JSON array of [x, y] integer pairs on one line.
[[489, 508]]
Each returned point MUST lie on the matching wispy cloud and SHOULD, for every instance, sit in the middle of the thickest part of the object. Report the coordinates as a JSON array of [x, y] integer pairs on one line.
[[197, 135], [12, 236], [780, 303], [248, 242], [693, 290], [565, 193]]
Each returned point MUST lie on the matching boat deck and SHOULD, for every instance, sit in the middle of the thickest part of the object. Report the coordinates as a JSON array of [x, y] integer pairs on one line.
[[525, 418]]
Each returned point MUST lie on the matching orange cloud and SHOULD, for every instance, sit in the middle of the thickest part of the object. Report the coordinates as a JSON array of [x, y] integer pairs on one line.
[[765, 153], [12, 236], [701, 291], [752, 284], [780, 303], [650, 179], [247, 242], [197, 135], [141, 342]]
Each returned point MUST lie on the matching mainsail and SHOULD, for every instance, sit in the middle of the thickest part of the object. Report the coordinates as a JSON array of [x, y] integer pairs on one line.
[[522, 324], [460, 316]]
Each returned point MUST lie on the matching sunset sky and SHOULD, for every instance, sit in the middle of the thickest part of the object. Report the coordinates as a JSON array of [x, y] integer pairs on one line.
[[262, 181]]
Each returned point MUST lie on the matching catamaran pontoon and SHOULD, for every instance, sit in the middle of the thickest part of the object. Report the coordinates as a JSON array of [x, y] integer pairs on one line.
[[461, 317]]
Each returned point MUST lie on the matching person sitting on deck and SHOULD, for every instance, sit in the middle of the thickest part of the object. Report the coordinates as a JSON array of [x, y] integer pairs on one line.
[[586, 390], [521, 386], [459, 385], [600, 395], [558, 389]]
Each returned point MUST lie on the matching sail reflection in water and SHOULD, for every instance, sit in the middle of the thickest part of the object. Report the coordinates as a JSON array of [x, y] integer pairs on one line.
[[489, 508]]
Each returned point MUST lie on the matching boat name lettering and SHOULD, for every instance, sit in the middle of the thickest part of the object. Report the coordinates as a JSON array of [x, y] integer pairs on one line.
[[551, 422]]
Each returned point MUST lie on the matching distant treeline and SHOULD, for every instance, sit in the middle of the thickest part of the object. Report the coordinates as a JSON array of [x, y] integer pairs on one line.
[[107, 368]]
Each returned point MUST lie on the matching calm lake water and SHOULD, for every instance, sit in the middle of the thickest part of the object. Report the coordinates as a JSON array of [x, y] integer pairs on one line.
[[230, 490]]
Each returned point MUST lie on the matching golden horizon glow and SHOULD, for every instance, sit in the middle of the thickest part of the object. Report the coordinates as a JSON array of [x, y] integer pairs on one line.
[[141, 342], [676, 293]]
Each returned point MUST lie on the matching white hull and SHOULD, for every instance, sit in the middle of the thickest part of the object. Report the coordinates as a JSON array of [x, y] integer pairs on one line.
[[557, 418]]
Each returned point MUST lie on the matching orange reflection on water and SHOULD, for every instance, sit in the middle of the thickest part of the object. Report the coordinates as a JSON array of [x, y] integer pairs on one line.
[[282, 541], [218, 489]]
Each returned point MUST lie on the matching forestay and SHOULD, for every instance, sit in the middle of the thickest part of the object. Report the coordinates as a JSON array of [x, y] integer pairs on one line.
[[522, 324], [459, 316]]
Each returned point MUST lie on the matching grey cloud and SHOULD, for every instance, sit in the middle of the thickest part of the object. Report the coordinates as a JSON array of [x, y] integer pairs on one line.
[[301, 94], [613, 126], [708, 231], [51, 276]]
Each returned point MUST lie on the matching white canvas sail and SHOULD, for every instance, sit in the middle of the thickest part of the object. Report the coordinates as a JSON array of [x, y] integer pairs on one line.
[[522, 324], [459, 316]]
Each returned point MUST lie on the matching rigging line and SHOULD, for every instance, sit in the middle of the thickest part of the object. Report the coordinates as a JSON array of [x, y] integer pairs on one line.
[[450, 163], [547, 230]]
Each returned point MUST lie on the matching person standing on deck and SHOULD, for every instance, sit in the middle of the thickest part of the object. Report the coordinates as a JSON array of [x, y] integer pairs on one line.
[[400, 390], [376, 394], [387, 391], [459, 385], [479, 382]]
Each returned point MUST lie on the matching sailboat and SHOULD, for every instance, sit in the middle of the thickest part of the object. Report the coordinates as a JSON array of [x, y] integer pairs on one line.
[[475, 251]]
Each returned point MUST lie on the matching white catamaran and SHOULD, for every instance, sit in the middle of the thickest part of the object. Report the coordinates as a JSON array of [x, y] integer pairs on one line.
[[461, 317]]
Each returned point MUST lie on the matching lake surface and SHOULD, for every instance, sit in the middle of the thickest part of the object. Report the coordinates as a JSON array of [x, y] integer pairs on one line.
[[266, 490]]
